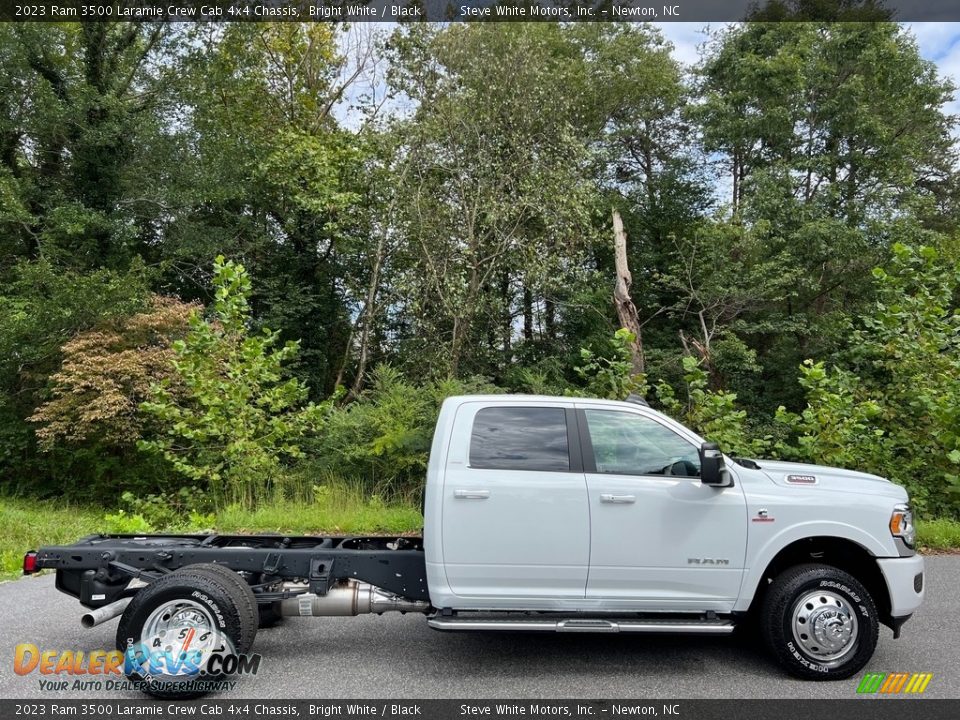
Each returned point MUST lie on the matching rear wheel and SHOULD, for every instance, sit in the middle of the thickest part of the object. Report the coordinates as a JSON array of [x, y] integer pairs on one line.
[[819, 622], [173, 626]]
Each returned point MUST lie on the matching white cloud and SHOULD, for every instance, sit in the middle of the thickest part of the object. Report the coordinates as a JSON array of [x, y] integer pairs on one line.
[[685, 37], [940, 42], [934, 39]]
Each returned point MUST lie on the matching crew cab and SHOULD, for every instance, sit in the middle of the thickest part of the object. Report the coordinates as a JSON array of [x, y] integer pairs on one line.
[[547, 514]]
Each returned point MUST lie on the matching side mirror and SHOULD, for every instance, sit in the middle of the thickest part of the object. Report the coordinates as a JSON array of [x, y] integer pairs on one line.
[[713, 471]]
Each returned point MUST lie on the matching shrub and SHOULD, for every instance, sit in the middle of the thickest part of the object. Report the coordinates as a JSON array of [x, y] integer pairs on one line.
[[233, 418], [610, 374], [107, 372]]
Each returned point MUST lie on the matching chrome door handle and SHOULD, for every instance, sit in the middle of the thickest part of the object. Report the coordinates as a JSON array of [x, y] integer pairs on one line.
[[617, 499], [471, 494]]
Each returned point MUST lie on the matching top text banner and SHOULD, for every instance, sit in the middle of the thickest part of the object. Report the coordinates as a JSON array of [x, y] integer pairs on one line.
[[470, 11]]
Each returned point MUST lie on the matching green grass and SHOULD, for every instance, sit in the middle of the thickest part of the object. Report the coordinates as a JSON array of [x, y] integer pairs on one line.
[[312, 519], [942, 534], [28, 524]]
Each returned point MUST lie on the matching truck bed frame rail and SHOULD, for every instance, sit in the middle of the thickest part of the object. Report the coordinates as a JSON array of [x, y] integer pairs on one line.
[[98, 568]]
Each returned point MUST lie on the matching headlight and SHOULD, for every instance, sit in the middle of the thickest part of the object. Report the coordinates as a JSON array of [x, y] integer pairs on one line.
[[901, 524]]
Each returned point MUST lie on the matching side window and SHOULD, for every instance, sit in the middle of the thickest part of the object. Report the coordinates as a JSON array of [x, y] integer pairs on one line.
[[520, 438], [628, 444]]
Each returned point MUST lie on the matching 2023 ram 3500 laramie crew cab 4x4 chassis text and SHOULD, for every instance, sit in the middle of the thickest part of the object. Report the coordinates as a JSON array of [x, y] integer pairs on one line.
[[548, 514]]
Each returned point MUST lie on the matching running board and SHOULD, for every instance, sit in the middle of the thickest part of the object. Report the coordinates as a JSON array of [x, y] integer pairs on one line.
[[587, 625]]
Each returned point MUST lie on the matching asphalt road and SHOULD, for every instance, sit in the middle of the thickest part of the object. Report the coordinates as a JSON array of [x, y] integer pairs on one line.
[[397, 656]]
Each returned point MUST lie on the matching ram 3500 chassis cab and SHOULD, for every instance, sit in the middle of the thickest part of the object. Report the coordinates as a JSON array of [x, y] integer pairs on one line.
[[549, 514]]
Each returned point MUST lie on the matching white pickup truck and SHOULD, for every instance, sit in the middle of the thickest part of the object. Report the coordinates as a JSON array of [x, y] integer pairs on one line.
[[547, 514]]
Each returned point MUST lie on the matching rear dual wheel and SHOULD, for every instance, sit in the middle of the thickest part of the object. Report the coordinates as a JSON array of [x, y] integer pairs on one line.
[[173, 626]]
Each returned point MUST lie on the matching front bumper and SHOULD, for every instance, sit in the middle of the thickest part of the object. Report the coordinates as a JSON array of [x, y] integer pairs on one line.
[[906, 583]]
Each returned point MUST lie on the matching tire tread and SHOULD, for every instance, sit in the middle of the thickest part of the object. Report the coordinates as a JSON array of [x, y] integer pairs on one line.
[[777, 603]]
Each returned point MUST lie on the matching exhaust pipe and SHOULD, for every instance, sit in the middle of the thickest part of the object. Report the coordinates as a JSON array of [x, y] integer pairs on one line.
[[101, 615], [350, 598]]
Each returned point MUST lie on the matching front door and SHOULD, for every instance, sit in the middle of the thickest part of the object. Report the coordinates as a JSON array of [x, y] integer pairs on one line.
[[515, 518], [660, 539]]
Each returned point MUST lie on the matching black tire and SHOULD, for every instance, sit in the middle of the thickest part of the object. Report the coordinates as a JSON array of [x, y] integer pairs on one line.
[[220, 591], [248, 604], [834, 599]]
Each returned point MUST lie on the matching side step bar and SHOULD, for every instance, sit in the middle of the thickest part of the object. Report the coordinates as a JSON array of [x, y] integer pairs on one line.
[[591, 625]]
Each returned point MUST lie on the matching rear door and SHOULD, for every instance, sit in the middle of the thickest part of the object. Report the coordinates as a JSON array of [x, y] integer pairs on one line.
[[515, 514]]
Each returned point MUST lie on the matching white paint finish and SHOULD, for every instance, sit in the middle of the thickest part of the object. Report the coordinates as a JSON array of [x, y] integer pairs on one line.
[[530, 552], [641, 552], [846, 505], [527, 536], [899, 573]]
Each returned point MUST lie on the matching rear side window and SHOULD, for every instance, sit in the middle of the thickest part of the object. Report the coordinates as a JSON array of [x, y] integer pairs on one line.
[[520, 438]]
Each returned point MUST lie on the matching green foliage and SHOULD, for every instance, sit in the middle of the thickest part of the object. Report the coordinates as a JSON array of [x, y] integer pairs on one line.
[[29, 524], [894, 407], [120, 523], [337, 506], [463, 233], [939, 534], [611, 375], [235, 418], [712, 413], [41, 307], [185, 509]]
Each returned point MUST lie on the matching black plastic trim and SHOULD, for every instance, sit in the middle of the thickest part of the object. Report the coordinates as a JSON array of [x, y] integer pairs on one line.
[[896, 624], [586, 445], [573, 441]]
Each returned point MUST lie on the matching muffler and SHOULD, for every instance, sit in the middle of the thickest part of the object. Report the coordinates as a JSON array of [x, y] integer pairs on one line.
[[102, 614], [349, 598]]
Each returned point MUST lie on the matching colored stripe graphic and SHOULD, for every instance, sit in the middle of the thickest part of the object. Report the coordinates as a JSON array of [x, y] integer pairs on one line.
[[927, 677], [898, 685], [889, 682], [871, 682], [894, 683]]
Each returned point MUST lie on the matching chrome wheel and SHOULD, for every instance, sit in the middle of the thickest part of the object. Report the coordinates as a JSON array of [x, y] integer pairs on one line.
[[825, 627], [179, 627]]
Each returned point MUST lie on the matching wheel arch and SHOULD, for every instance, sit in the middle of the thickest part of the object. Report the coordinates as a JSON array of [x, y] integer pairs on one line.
[[840, 552]]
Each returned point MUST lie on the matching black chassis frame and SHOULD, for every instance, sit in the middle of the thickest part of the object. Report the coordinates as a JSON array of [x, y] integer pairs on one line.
[[97, 569]]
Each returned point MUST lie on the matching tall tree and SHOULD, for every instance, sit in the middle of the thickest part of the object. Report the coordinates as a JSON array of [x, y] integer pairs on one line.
[[274, 180], [498, 197], [827, 135], [79, 101]]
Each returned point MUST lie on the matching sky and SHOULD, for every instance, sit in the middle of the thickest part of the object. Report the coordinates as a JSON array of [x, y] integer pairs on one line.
[[939, 42]]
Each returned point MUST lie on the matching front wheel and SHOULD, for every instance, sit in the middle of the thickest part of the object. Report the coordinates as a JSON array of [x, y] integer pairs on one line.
[[819, 622]]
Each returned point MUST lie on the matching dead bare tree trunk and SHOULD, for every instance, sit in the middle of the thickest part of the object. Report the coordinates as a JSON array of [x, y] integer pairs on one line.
[[367, 315], [626, 310]]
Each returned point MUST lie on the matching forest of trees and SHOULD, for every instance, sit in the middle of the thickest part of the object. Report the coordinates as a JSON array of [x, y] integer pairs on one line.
[[402, 215]]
